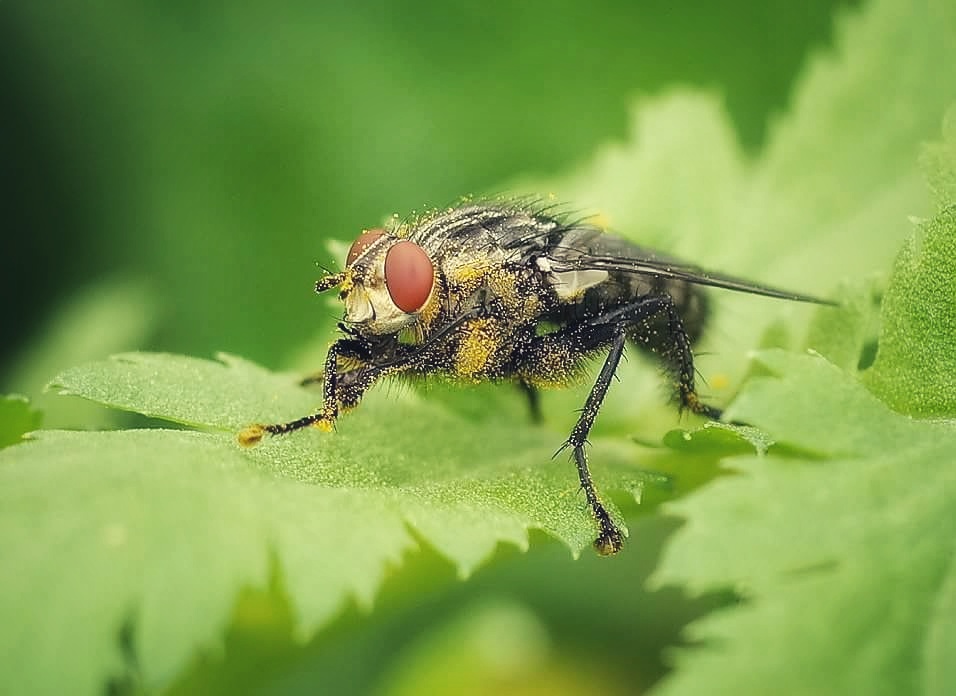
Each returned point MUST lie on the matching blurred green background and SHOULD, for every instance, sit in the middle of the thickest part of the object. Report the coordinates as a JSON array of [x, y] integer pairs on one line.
[[201, 153], [174, 169]]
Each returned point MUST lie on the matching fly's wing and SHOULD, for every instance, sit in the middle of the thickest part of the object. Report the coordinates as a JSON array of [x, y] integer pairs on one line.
[[585, 249]]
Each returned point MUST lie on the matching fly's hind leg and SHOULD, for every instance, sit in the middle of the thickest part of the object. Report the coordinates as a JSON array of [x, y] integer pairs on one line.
[[663, 333], [652, 322]]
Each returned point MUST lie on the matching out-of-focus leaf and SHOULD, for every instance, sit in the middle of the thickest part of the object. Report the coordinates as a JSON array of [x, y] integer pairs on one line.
[[16, 418]]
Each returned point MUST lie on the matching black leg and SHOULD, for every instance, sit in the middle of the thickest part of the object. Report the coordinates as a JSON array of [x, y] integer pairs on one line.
[[654, 324], [317, 378], [345, 389], [651, 322], [534, 400], [609, 540], [323, 419]]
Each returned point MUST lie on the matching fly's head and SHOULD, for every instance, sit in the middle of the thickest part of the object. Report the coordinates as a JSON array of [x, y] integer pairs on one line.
[[387, 284]]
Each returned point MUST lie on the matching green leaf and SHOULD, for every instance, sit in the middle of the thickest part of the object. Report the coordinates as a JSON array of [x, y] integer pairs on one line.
[[170, 525], [939, 162], [16, 418], [847, 558], [162, 529], [113, 315], [140, 541], [443, 463], [915, 367], [829, 198], [842, 538], [720, 438], [844, 335]]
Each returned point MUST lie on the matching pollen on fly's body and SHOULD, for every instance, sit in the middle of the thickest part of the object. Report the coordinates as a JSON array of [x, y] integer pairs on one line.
[[507, 291]]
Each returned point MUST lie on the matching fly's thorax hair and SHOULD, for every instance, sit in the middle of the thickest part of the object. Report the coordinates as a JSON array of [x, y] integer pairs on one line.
[[480, 225], [487, 247]]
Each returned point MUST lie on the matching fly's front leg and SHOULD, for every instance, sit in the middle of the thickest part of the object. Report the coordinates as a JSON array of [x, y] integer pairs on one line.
[[345, 389], [353, 348], [323, 419]]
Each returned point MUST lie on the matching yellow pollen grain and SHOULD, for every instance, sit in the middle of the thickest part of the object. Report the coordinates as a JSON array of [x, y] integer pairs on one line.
[[432, 304], [469, 273], [324, 424], [476, 347], [601, 220], [348, 282], [719, 381], [251, 435]]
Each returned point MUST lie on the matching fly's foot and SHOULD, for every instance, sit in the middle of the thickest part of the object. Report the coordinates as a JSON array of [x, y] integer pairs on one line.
[[251, 435], [610, 540], [692, 403]]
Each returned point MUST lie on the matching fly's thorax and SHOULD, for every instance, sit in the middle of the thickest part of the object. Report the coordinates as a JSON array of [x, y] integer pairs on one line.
[[493, 278], [389, 284], [469, 267]]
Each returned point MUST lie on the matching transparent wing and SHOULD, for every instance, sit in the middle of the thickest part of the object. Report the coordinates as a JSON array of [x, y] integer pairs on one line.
[[659, 268]]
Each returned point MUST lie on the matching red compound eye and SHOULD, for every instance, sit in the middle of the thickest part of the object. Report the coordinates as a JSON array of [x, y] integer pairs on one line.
[[365, 240], [409, 276]]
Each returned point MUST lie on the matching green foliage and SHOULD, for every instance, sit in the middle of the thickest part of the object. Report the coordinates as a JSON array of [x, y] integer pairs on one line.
[[845, 555], [16, 418], [110, 316], [158, 559], [915, 368], [844, 548], [190, 509], [218, 147]]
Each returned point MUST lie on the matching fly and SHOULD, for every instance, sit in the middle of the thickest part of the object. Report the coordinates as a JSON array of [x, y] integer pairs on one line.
[[505, 291]]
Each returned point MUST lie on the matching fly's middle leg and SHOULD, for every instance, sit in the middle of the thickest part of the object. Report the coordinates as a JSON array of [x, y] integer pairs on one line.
[[610, 539], [553, 359], [652, 322]]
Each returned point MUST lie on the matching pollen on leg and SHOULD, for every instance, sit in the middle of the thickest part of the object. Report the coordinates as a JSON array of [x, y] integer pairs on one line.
[[325, 424], [251, 435], [611, 538], [609, 542], [692, 401]]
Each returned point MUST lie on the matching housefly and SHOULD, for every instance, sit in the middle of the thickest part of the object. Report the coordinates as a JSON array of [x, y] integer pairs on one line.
[[509, 291]]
